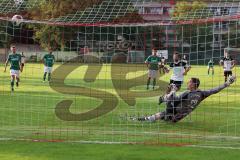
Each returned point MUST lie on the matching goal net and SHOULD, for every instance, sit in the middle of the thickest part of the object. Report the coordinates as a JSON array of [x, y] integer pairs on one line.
[[98, 83]]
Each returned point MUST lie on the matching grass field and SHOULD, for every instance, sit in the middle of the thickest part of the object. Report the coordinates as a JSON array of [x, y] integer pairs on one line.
[[29, 112], [62, 151]]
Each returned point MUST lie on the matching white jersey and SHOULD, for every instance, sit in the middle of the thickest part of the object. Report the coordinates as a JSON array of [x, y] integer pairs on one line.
[[227, 64], [185, 61], [178, 70]]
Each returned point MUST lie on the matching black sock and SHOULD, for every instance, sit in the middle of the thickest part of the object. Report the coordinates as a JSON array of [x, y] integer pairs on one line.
[[154, 82], [12, 83], [44, 76], [49, 76], [148, 82]]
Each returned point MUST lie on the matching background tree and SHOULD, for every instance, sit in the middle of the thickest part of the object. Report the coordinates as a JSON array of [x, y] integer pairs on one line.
[[186, 10], [55, 36], [50, 36]]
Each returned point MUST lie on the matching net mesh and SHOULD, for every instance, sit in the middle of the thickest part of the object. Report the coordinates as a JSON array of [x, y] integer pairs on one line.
[[107, 11], [100, 53], [127, 12], [16, 6]]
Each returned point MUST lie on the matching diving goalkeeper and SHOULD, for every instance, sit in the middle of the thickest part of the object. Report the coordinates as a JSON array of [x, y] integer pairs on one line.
[[178, 107]]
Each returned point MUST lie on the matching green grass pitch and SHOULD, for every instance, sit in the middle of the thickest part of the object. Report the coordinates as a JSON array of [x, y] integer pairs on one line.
[[29, 113]]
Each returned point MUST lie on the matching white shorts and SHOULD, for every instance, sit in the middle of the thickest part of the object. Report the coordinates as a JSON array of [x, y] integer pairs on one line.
[[47, 69], [152, 73], [14, 72]]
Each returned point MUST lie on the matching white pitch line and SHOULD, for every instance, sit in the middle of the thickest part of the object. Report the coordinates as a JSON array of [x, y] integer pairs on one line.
[[213, 147]]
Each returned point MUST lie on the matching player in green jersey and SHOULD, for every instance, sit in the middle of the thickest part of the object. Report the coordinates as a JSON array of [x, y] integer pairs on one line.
[[48, 61], [153, 66], [15, 66], [211, 66]]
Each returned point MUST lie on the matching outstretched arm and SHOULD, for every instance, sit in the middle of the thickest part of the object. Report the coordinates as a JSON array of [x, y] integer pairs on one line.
[[221, 87], [214, 90]]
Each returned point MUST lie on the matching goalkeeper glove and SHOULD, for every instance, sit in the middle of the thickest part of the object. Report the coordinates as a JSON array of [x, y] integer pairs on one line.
[[173, 87], [231, 80]]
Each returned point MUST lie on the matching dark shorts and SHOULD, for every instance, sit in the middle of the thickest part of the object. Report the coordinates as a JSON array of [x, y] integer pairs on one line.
[[227, 73], [22, 64], [175, 114], [177, 83], [161, 66]]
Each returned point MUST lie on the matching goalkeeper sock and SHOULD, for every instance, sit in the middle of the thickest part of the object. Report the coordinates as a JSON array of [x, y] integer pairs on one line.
[[151, 118]]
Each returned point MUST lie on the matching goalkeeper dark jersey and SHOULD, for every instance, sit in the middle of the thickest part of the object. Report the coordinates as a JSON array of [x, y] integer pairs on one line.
[[180, 106]]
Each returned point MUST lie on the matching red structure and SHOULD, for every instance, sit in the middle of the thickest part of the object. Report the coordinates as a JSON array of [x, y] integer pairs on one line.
[[172, 2]]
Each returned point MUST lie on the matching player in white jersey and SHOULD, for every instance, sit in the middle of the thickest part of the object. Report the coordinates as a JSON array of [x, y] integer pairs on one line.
[[228, 64], [180, 68]]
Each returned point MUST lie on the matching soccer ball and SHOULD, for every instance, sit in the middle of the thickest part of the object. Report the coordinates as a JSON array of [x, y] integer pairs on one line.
[[18, 2], [17, 20]]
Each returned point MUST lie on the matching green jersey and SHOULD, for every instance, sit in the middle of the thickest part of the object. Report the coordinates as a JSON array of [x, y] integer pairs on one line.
[[210, 64], [15, 61], [153, 62], [49, 60]]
